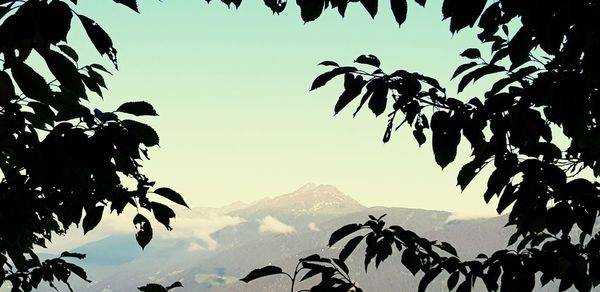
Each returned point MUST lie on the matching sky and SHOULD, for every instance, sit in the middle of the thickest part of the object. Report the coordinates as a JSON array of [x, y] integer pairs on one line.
[[237, 120]]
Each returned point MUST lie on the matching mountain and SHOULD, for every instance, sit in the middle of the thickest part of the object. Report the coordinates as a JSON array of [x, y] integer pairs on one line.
[[310, 200], [276, 230]]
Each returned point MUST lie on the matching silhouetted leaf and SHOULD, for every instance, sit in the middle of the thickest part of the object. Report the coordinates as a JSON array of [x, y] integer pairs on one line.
[[143, 132], [445, 138], [350, 247], [163, 214], [152, 287], [262, 272], [129, 3], [172, 195], [66, 254], [453, 280], [343, 232], [69, 52], [519, 47], [399, 8], [99, 38], [326, 77], [144, 233], [310, 9], [411, 261], [65, 72], [468, 172], [93, 215], [378, 100], [138, 108], [428, 277], [369, 60], [471, 53], [370, 6], [329, 63], [30, 82], [421, 2], [448, 248], [462, 68], [175, 285]]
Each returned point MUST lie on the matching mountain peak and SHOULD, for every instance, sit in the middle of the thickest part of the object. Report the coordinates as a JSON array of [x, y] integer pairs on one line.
[[310, 199]]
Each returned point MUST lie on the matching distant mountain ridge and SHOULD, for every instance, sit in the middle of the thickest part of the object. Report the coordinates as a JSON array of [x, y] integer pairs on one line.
[[310, 214]]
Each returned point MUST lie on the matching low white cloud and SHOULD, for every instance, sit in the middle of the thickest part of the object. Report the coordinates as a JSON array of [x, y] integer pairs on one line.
[[470, 216], [313, 227], [187, 224], [271, 225], [200, 228]]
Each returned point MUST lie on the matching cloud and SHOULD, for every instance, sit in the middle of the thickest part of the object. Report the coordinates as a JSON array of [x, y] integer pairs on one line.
[[313, 227], [271, 225], [200, 227], [187, 225], [470, 216]]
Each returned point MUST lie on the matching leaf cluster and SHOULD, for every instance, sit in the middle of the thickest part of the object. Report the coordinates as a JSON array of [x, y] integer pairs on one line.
[[62, 163]]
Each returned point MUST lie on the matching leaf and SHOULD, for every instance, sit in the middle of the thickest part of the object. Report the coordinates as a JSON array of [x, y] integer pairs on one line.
[[310, 9], [143, 132], [468, 172], [129, 3], [144, 233], [329, 63], [66, 254], [77, 270], [171, 195], [448, 248], [411, 261], [421, 2], [520, 47], [352, 88], [350, 247], [69, 52], [92, 217], [453, 280], [137, 108], [30, 82], [65, 72], [378, 101], [445, 138], [152, 287], [471, 53], [368, 60], [99, 38], [342, 265], [370, 6], [428, 277], [343, 232], [175, 285], [310, 274], [462, 68], [262, 272], [400, 9], [477, 74], [163, 214], [326, 77]]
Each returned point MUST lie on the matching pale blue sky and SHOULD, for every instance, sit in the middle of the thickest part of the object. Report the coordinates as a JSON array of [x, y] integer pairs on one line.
[[237, 121]]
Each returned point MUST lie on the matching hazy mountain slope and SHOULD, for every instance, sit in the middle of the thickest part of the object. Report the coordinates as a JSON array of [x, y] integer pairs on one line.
[[279, 230]]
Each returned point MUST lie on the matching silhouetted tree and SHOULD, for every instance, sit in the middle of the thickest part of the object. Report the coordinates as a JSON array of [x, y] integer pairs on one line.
[[545, 58], [61, 162]]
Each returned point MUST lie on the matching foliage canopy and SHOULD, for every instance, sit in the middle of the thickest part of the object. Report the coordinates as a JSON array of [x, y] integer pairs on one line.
[[545, 56], [63, 163]]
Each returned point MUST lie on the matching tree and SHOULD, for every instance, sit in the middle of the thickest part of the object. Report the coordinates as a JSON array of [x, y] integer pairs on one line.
[[545, 51], [61, 162], [545, 58]]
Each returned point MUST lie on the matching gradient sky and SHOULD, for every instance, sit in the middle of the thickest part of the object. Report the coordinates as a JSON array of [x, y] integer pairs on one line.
[[237, 121]]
